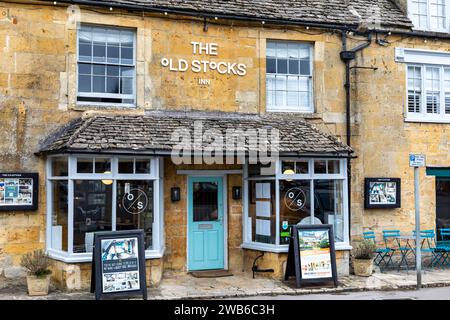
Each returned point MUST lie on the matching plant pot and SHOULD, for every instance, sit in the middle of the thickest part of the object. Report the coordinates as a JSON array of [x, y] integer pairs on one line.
[[38, 286], [363, 267]]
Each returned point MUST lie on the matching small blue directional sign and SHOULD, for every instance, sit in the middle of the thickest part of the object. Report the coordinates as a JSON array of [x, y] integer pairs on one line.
[[417, 160]]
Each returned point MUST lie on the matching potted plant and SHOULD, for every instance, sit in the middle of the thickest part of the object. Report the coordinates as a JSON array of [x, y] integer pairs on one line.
[[363, 258], [37, 265]]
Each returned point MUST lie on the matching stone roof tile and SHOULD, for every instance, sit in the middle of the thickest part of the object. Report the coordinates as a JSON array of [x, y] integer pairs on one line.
[[341, 12], [154, 133]]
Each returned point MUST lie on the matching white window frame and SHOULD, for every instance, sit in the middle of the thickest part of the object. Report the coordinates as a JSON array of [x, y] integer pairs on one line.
[[107, 95], [285, 108], [155, 175], [424, 59], [428, 26], [311, 176]]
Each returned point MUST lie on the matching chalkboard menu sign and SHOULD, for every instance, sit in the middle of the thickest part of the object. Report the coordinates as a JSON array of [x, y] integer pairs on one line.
[[118, 267], [19, 191], [312, 256]]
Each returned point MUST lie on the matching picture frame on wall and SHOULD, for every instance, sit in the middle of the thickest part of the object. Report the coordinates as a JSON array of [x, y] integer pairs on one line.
[[382, 193], [19, 191]]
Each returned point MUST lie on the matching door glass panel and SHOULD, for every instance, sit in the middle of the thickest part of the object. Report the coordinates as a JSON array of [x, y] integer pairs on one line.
[[205, 201]]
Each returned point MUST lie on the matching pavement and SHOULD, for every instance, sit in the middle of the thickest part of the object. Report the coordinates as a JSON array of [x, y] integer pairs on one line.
[[176, 286]]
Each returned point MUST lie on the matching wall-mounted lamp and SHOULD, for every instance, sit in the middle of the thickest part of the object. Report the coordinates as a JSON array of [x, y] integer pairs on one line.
[[237, 193], [175, 194]]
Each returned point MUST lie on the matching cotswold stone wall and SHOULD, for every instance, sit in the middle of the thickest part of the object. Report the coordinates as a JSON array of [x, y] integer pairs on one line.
[[38, 95]]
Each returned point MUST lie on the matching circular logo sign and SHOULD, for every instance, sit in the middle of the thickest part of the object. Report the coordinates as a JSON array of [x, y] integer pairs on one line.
[[295, 199], [135, 201]]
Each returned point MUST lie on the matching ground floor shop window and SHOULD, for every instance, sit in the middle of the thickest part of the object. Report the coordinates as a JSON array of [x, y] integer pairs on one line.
[[305, 191], [88, 194]]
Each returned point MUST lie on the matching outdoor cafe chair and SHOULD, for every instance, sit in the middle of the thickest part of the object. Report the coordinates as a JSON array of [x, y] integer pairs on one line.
[[428, 245], [392, 240], [383, 257], [444, 246]]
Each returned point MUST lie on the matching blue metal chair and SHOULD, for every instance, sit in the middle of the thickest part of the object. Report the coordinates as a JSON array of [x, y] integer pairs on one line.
[[391, 240], [444, 247], [428, 245], [383, 256]]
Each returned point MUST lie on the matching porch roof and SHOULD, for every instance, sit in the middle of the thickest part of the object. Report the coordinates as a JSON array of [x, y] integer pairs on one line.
[[156, 133]]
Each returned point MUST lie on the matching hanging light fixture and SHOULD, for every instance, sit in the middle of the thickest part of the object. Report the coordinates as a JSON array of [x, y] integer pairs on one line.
[[107, 182], [288, 172]]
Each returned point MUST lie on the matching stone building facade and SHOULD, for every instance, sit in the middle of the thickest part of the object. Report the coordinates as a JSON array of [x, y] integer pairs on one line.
[[182, 61]]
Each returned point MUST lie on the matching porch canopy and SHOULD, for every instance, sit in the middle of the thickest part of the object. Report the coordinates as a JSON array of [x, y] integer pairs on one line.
[[157, 133]]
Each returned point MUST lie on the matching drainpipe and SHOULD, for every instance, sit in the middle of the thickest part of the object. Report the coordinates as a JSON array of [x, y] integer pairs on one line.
[[347, 56]]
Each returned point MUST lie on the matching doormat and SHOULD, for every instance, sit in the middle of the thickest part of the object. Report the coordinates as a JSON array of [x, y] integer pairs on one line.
[[211, 274]]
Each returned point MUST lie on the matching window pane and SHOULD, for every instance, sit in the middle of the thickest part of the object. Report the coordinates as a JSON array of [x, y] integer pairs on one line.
[[85, 52], [92, 212], [302, 167], [271, 49], [84, 68], [261, 210], [294, 205], [102, 165], [126, 55], [59, 238], [329, 205], [60, 167], [99, 53], [84, 83], [113, 54], [282, 66], [99, 84], [280, 98], [293, 50], [288, 167], [305, 67], [320, 166], [99, 70], [293, 67], [135, 208], [126, 85], [333, 166], [126, 166], [85, 165], [113, 71], [112, 85], [271, 66], [292, 98], [205, 201], [143, 166], [282, 50]]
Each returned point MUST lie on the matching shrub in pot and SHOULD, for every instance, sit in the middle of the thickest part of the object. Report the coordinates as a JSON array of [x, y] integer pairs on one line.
[[363, 258], [37, 265]]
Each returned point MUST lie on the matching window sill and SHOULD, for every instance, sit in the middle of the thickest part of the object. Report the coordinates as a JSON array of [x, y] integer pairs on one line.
[[299, 114], [341, 246], [84, 106], [434, 119], [87, 257]]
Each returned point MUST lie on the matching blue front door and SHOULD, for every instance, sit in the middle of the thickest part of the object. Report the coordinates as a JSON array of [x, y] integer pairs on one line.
[[205, 223]]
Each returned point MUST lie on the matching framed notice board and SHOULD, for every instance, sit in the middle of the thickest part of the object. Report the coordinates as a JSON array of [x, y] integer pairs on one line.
[[19, 191], [382, 193], [118, 265], [312, 255]]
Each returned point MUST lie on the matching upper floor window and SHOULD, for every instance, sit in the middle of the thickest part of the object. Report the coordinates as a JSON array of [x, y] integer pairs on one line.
[[429, 92], [429, 14], [106, 65], [289, 76]]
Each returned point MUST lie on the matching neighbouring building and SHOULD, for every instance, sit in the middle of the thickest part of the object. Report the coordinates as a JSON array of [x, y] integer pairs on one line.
[[95, 97]]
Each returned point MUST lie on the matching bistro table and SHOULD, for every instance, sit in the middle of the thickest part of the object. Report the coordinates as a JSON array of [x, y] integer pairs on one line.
[[408, 248]]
